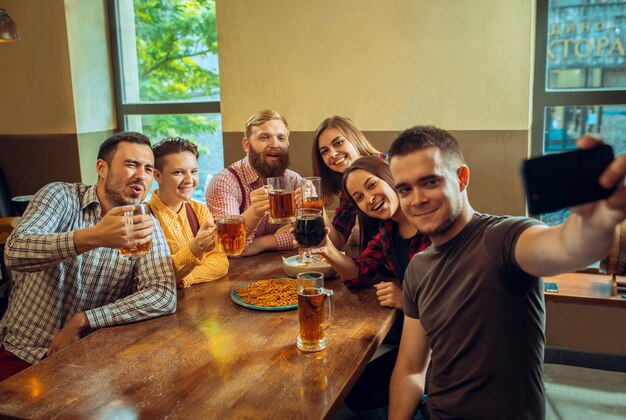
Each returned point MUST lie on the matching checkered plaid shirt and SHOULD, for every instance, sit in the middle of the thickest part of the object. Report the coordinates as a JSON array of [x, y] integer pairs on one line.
[[345, 213], [52, 282], [223, 196], [377, 257]]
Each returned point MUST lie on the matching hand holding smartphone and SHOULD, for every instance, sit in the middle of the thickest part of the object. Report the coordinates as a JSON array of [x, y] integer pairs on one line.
[[553, 182]]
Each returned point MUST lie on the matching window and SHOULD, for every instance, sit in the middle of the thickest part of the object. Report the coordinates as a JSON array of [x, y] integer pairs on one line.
[[580, 76], [166, 74]]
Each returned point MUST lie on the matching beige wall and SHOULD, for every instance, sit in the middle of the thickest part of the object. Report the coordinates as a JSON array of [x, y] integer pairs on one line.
[[37, 85], [57, 94], [464, 66]]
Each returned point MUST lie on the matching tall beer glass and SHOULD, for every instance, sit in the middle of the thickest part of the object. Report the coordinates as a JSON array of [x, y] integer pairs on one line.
[[316, 310], [134, 250], [312, 193]]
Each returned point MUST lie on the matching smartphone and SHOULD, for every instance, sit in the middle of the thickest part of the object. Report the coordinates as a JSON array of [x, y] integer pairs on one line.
[[554, 182], [551, 287]]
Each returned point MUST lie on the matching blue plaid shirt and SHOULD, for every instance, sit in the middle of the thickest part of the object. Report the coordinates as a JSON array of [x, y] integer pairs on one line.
[[53, 282]]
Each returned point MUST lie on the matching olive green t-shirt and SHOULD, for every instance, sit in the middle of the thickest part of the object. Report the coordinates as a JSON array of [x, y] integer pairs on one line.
[[484, 318]]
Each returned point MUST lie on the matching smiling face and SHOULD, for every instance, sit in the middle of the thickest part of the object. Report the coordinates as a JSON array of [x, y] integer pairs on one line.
[[374, 196], [432, 194], [128, 177], [336, 151], [267, 148], [177, 179]]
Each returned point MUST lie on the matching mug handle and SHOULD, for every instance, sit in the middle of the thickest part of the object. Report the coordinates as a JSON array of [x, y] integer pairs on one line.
[[329, 310]]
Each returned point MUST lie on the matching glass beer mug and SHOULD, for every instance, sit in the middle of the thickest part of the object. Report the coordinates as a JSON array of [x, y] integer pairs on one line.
[[134, 250], [282, 202], [316, 310], [230, 234]]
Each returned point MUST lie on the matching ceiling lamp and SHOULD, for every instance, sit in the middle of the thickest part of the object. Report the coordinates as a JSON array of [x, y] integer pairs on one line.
[[8, 28]]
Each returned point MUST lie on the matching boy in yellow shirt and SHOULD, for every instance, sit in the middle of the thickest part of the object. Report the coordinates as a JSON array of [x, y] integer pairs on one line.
[[187, 224]]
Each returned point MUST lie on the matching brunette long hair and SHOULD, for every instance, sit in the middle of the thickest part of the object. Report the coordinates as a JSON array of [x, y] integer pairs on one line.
[[331, 180], [379, 168]]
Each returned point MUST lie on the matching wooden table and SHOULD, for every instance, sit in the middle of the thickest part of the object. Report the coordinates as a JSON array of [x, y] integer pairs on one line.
[[587, 288], [583, 316], [212, 359]]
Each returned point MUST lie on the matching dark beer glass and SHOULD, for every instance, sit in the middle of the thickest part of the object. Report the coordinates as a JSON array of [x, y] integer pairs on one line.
[[309, 231]]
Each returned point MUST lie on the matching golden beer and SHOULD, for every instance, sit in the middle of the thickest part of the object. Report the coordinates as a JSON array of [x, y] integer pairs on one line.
[[135, 250], [316, 309], [282, 206], [314, 203], [311, 316], [231, 235]]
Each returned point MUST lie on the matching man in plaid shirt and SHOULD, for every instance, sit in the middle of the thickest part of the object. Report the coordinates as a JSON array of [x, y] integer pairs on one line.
[[69, 277], [241, 188]]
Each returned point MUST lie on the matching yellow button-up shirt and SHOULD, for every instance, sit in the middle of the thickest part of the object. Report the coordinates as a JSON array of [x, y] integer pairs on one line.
[[175, 225]]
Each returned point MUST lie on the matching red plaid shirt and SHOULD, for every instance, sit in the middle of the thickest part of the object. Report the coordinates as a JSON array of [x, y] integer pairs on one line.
[[223, 196], [377, 257], [345, 214]]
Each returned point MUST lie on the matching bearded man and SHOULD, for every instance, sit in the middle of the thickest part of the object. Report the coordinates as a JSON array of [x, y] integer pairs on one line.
[[69, 278], [241, 188]]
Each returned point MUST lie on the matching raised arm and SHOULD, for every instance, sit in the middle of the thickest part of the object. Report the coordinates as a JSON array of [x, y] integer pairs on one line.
[[342, 264], [156, 289], [53, 230], [409, 375], [585, 237]]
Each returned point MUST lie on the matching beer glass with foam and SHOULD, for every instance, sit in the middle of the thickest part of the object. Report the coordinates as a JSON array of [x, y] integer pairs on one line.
[[282, 203], [316, 309], [134, 250], [312, 193], [230, 234]]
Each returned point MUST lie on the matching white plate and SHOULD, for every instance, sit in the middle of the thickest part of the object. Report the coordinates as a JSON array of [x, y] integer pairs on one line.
[[293, 267]]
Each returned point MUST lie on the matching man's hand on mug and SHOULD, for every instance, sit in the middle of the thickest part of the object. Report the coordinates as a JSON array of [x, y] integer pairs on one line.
[[297, 195], [111, 229], [260, 201]]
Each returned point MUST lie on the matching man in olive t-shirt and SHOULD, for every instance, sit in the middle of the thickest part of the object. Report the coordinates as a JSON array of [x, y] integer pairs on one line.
[[473, 301]]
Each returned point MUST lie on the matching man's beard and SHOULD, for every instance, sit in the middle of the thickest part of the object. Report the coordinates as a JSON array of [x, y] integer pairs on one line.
[[115, 196], [267, 170]]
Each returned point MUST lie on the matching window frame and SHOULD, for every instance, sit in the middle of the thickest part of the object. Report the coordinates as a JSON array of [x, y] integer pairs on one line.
[[123, 109], [543, 98]]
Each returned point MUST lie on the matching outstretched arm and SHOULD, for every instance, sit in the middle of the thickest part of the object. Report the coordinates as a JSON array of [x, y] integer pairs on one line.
[[585, 237]]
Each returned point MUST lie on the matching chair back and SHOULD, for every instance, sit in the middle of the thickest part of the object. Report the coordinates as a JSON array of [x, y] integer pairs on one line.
[[6, 205]]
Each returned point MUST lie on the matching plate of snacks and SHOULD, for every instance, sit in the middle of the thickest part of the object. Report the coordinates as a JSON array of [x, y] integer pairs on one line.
[[267, 295]]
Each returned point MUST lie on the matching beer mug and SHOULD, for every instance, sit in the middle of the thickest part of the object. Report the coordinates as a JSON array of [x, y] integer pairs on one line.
[[282, 202], [135, 250], [230, 234], [316, 310], [312, 193]]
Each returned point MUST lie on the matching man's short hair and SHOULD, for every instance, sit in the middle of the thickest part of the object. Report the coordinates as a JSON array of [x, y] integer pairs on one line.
[[171, 145], [424, 137], [262, 117], [109, 146]]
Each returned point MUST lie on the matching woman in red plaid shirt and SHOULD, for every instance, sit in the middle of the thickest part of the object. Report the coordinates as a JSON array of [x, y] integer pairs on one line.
[[338, 143], [368, 185]]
